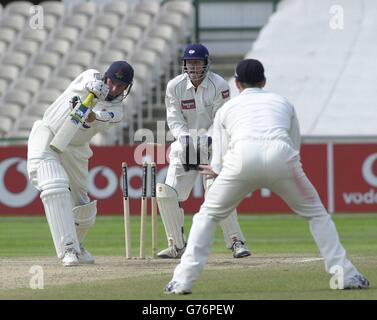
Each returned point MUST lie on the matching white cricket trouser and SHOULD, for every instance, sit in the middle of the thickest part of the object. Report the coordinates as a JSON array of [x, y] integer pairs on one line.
[[183, 182], [248, 166]]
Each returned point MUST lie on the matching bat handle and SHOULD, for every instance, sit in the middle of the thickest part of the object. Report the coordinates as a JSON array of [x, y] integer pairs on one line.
[[88, 100]]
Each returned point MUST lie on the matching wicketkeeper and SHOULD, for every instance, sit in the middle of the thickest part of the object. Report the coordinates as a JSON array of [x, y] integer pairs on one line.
[[192, 100], [60, 173]]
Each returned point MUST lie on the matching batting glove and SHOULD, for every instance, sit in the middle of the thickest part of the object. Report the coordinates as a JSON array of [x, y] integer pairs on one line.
[[98, 88], [73, 101]]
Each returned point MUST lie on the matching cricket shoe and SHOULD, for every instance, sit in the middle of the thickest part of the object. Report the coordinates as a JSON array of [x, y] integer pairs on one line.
[[173, 287], [85, 257], [358, 281], [70, 258], [171, 253], [240, 250]]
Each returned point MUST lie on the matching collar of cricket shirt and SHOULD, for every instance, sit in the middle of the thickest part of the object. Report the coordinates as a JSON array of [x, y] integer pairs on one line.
[[203, 84], [250, 90]]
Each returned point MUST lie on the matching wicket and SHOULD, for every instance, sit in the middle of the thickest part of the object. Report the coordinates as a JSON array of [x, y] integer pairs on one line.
[[126, 212], [154, 209], [143, 211]]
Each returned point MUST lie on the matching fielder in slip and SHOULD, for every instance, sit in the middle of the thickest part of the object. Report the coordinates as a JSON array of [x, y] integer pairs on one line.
[[262, 138], [61, 176], [192, 100]]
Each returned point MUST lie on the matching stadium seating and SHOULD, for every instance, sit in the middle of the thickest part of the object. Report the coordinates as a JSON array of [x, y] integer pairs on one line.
[[150, 8], [37, 65], [117, 7], [54, 8], [30, 85], [11, 111], [35, 35]]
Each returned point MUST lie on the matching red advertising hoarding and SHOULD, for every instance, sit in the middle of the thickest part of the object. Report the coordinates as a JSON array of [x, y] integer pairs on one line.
[[355, 180]]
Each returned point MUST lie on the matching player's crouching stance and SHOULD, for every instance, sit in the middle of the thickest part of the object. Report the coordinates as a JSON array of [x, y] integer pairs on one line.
[[62, 177], [192, 100]]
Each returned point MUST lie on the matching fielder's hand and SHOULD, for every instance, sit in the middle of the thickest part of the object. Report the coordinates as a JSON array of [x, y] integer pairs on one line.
[[98, 88], [207, 171]]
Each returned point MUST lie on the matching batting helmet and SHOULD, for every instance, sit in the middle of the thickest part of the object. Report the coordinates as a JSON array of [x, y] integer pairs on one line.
[[120, 72]]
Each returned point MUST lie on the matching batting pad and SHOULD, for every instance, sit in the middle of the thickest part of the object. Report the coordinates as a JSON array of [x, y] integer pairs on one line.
[[231, 229], [84, 217], [53, 182], [171, 214]]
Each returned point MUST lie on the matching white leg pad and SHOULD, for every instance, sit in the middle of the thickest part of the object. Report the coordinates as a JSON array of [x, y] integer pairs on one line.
[[84, 217], [231, 229], [171, 214], [55, 195]]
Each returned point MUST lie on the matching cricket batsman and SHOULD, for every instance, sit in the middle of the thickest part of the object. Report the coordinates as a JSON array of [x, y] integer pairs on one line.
[[58, 154]]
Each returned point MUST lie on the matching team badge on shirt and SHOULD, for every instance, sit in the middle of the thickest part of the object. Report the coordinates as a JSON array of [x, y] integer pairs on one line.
[[225, 94], [188, 104]]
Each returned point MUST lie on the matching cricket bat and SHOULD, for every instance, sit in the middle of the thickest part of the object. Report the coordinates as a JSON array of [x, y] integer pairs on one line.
[[72, 124]]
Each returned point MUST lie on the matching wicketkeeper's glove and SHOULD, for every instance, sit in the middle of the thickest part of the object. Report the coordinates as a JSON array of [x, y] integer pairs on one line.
[[191, 157], [204, 149], [188, 152]]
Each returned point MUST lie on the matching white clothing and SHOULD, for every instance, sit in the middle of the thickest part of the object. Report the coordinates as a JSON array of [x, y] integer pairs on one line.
[[73, 162], [108, 113], [256, 114], [75, 159], [189, 109], [262, 153], [192, 110]]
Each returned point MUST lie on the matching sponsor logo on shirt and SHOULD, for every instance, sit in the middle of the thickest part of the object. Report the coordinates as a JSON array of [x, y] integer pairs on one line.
[[225, 94], [188, 104]]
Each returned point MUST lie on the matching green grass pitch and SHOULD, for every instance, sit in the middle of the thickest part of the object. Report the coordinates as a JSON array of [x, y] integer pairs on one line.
[[264, 275]]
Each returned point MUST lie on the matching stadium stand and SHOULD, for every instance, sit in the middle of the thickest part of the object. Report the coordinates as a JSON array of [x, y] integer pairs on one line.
[[36, 65], [334, 62]]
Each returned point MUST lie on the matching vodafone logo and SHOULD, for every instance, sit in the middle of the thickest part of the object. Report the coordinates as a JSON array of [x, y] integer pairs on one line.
[[110, 186], [15, 199], [367, 170], [369, 197]]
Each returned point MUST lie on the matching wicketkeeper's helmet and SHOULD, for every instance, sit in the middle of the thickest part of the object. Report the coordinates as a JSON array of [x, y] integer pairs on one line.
[[196, 51]]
